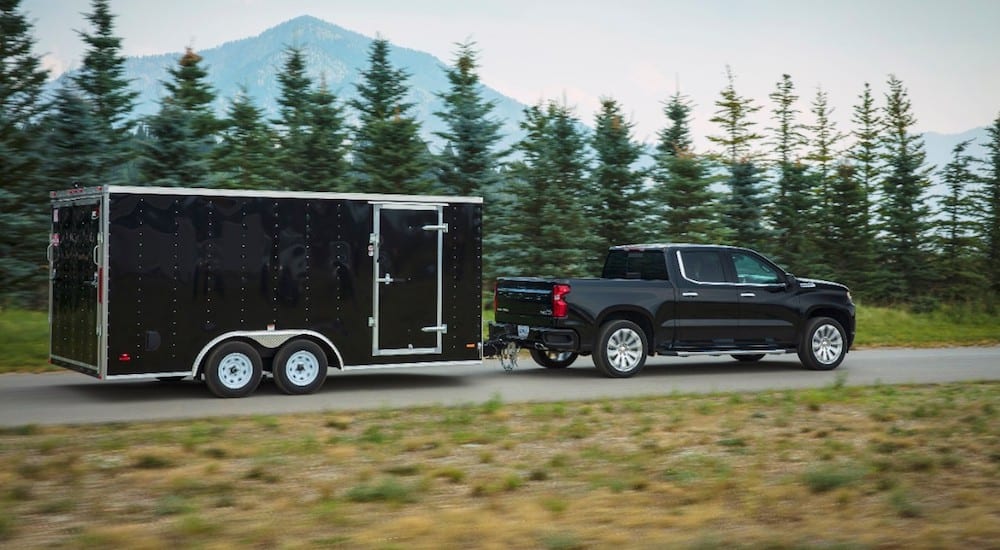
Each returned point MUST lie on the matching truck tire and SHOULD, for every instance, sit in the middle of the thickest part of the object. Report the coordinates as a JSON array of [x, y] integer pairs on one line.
[[621, 349], [553, 359], [299, 367], [233, 369], [823, 345]]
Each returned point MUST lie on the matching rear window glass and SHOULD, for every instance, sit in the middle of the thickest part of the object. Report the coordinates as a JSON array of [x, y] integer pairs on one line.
[[636, 264]]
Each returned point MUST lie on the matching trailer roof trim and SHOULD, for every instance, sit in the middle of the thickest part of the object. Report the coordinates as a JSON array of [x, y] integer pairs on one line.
[[372, 197]]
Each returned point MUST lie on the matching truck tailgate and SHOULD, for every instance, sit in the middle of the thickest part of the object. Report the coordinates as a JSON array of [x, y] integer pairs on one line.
[[524, 301]]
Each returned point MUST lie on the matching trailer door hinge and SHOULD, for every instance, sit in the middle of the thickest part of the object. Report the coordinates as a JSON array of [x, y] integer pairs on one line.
[[371, 321]]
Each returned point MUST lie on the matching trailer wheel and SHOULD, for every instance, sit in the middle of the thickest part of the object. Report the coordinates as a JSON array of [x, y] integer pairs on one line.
[[233, 370], [299, 367], [553, 359], [621, 349]]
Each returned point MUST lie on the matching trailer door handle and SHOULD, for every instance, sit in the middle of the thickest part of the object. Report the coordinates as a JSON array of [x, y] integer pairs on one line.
[[387, 279], [439, 227], [689, 294], [97, 249], [443, 329]]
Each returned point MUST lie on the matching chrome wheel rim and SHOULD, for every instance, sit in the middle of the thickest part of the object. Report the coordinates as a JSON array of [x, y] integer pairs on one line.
[[624, 350], [827, 344], [235, 371], [302, 368]]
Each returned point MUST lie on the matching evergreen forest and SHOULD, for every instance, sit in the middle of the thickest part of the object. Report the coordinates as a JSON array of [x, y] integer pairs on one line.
[[848, 204]]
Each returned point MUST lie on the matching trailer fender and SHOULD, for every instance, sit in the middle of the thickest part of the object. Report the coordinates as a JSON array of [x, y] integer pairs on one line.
[[271, 339]]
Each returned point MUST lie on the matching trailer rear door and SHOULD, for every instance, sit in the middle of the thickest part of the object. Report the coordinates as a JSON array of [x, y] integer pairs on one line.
[[76, 281], [407, 244]]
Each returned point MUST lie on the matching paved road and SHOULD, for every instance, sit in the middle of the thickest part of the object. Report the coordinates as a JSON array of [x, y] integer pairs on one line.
[[68, 398]]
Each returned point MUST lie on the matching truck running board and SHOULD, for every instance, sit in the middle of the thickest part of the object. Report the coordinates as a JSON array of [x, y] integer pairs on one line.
[[720, 353]]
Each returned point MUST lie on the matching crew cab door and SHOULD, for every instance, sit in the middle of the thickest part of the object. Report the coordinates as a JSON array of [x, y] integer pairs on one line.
[[707, 311], [768, 314]]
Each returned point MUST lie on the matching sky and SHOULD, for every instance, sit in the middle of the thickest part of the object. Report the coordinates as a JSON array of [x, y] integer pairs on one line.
[[639, 52]]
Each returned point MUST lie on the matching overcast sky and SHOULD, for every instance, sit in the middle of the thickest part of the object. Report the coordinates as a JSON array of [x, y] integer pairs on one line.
[[947, 52]]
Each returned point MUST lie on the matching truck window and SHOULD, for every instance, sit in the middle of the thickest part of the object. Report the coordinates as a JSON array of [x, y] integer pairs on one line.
[[752, 270], [703, 266], [635, 264]]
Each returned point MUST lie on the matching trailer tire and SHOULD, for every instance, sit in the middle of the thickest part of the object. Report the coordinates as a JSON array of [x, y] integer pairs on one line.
[[233, 369], [299, 367], [621, 349]]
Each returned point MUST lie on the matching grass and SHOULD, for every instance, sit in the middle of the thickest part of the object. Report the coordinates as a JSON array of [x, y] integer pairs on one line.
[[26, 341], [902, 465], [26, 332]]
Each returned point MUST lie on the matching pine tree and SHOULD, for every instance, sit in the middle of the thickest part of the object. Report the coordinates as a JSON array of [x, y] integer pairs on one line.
[[323, 165], [617, 187], [687, 208], [958, 268], [733, 115], [183, 131], [103, 83], [744, 207], [469, 161], [192, 92], [294, 108], [244, 159], [823, 153], [989, 204], [74, 139], [23, 197], [868, 172], [389, 156], [847, 242], [791, 212], [902, 211], [548, 194], [746, 197], [175, 156]]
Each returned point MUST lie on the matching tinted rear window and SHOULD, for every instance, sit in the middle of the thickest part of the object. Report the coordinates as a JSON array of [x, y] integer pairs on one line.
[[635, 264]]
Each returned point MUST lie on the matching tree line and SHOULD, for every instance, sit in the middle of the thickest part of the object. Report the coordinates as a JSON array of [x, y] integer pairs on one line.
[[847, 204]]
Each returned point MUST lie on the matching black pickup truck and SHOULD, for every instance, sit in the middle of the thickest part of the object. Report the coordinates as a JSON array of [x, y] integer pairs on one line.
[[675, 299]]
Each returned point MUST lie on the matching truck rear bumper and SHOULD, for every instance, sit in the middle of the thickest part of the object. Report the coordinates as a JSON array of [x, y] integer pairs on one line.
[[556, 339]]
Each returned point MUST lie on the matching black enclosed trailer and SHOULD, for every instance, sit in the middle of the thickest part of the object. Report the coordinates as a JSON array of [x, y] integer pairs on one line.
[[225, 285]]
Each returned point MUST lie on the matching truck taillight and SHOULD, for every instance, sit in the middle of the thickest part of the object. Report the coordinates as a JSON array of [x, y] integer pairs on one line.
[[559, 306]]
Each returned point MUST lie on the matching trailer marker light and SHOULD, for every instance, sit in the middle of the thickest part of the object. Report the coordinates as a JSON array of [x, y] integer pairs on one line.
[[470, 346], [124, 357]]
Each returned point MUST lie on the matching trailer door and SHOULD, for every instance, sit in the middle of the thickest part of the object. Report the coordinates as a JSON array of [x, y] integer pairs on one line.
[[407, 242], [76, 283]]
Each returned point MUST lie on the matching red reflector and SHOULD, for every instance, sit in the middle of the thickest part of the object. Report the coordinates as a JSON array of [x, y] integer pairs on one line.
[[559, 306], [125, 358]]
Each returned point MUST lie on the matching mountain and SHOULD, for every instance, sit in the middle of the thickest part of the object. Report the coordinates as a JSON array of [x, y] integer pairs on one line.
[[331, 53]]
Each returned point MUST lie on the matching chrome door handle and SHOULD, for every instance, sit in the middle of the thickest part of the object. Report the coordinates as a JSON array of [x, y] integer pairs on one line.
[[747, 295], [689, 294]]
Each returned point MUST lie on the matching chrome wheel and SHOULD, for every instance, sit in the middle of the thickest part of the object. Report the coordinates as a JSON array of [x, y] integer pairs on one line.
[[827, 344], [624, 350], [236, 371]]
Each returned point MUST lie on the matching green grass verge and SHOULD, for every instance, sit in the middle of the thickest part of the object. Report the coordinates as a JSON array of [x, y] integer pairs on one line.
[[948, 325], [26, 341], [26, 332]]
